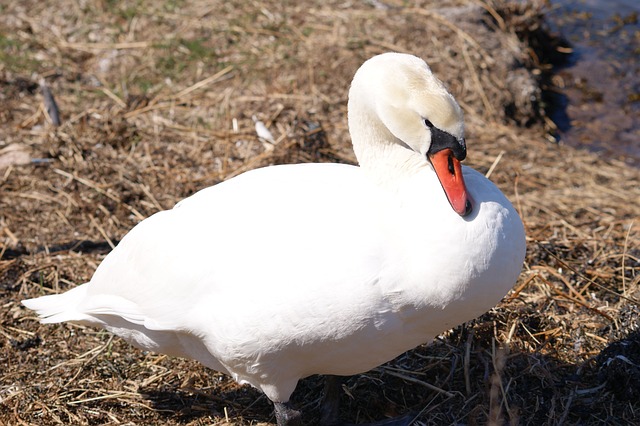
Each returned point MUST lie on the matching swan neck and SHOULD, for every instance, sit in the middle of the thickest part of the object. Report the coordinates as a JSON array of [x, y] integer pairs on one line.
[[380, 154]]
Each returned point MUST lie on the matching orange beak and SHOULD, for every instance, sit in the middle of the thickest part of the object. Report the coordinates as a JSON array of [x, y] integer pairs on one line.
[[449, 172]]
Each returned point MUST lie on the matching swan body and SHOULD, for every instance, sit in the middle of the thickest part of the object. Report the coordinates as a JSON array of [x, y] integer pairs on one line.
[[294, 270]]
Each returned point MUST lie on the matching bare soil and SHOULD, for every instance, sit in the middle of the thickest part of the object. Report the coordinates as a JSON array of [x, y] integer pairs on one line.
[[156, 101]]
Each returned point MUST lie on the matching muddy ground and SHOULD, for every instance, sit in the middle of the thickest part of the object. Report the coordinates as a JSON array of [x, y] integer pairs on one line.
[[156, 101]]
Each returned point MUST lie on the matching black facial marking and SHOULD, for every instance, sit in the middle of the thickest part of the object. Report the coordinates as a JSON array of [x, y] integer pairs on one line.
[[428, 123], [441, 140]]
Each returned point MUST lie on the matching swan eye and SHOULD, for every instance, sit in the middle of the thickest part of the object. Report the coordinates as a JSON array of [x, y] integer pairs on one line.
[[428, 123]]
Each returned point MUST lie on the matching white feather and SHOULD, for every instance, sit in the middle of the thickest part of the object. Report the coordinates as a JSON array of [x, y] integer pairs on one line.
[[262, 131]]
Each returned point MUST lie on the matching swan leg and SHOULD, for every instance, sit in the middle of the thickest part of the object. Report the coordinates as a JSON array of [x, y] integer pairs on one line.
[[331, 400], [331, 404], [287, 416]]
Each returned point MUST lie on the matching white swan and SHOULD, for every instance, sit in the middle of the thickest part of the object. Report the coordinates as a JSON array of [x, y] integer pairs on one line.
[[288, 271]]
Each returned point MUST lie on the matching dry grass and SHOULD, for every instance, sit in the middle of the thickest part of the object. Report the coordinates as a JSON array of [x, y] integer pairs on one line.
[[156, 102]]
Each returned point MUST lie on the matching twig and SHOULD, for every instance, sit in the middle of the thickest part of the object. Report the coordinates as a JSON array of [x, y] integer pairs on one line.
[[419, 382], [113, 96], [105, 46], [579, 302], [115, 394], [96, 188], [493, 13], [493, 166], [102, 232], [461, 33], [521, 287], [153, 199], [559, 276], [95, 355], [519, 202], [168, 101], [601, 287], [476, 79], [624, 255], [203, 83]]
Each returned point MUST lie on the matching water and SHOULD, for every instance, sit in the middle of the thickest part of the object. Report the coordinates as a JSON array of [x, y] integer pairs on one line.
[[600, 86]]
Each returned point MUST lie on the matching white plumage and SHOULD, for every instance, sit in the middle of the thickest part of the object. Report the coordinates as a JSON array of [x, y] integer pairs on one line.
[[294, 270]]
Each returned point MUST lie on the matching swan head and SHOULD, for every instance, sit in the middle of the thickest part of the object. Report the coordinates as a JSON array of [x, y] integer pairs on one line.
[[396, 101]]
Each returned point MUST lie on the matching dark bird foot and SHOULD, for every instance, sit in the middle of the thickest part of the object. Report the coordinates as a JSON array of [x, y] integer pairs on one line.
[[287, 416], [331, 403]]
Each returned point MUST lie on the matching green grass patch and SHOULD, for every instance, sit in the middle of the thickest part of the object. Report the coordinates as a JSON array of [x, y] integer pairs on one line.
[[14, 56], [181, 54]]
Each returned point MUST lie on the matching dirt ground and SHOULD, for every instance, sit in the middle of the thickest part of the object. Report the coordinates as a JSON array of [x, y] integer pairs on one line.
[[157, 100]]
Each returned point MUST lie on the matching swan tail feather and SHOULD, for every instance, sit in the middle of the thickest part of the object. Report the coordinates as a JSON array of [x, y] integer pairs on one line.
[[57, 308]]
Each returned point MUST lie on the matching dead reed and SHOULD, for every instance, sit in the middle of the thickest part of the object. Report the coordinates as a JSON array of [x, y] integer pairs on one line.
[[156, 101]]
